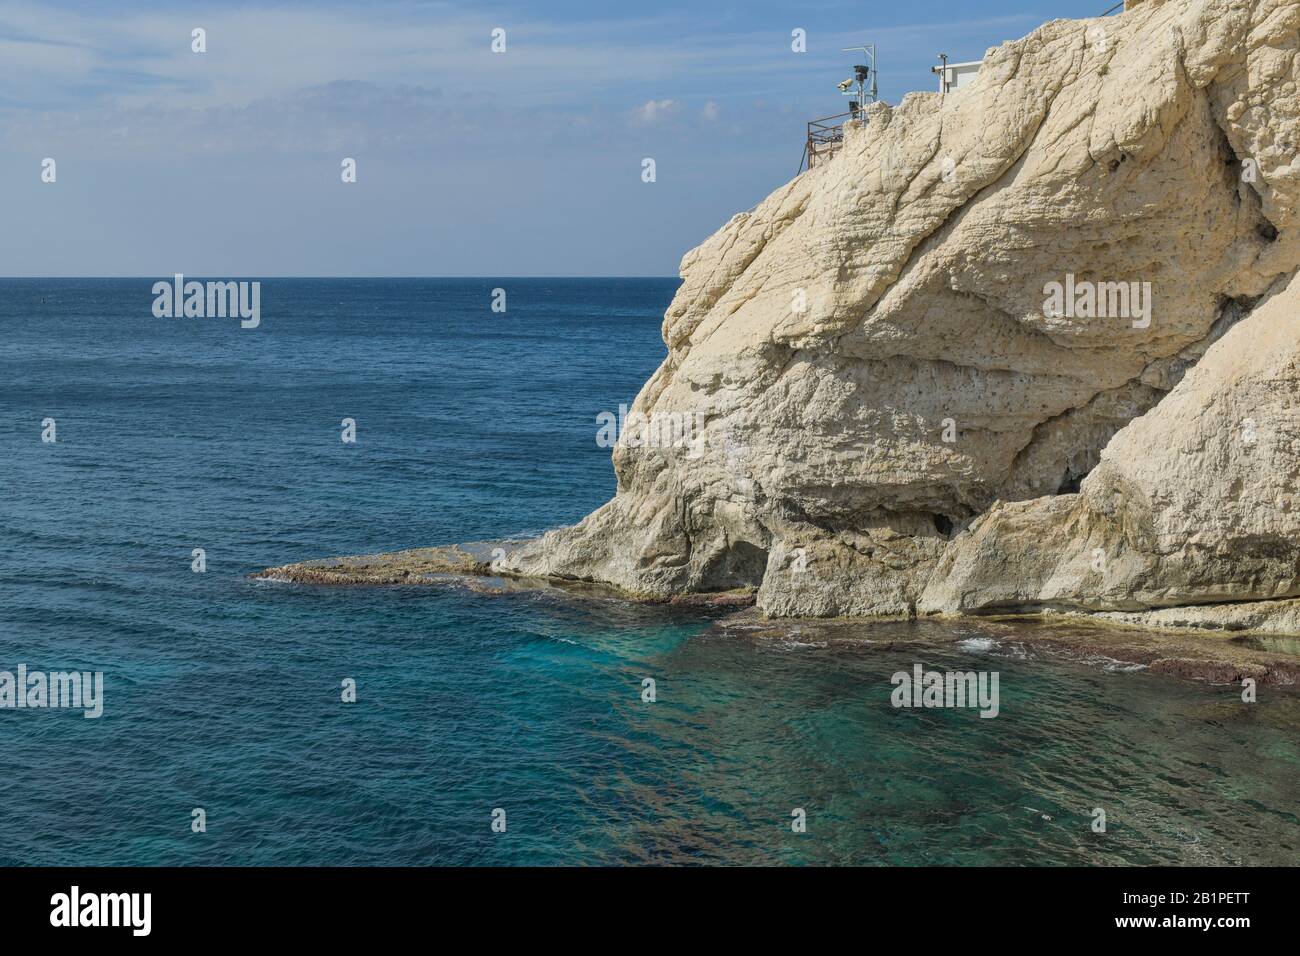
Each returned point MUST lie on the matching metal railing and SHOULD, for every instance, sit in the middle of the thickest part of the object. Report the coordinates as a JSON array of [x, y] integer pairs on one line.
[[825, 136]]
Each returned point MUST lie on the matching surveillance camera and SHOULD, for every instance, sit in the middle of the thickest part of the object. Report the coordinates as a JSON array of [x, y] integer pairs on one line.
[[845, 84]]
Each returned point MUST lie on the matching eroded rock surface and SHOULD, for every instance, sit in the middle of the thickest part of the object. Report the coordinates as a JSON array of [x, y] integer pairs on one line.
[[895, 420], [1193, 503]]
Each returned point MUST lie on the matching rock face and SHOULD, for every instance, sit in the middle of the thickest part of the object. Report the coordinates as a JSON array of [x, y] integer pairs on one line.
[[1195, 502], [902, 414]]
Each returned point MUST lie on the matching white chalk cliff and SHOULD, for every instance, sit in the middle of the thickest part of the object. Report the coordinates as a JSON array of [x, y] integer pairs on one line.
[[895, 421]]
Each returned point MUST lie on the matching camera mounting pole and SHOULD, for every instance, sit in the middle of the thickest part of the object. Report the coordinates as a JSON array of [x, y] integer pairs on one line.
[[861, 72]]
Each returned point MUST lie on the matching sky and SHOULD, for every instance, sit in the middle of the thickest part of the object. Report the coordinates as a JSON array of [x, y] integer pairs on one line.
[[469, 162]]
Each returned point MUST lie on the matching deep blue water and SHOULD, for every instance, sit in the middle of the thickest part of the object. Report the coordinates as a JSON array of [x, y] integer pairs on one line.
[[224, 693]]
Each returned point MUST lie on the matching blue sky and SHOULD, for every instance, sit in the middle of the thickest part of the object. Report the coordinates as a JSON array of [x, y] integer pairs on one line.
[[526, 162]]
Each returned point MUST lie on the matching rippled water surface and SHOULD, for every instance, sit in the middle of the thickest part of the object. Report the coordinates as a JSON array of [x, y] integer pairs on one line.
[[224, 693]]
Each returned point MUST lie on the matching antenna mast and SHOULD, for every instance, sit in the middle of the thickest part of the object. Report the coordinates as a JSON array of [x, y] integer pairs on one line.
[[861, 73]]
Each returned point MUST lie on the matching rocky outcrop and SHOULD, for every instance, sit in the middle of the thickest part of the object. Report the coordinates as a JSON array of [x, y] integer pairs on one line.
[[414, 566], [902, 415], [1193, 503]]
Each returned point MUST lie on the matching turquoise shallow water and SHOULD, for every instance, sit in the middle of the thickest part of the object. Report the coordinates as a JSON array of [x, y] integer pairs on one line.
[[223, 693]]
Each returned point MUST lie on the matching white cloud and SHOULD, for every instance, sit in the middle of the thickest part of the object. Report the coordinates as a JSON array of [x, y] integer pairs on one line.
[[710, 111], [653, 110]]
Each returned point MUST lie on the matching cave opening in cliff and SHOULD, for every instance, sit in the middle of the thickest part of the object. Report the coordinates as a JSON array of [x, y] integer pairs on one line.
[[1070, 483], [742, 564]]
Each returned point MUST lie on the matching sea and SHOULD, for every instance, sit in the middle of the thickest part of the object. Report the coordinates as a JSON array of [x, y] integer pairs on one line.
[[151, 465]]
